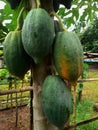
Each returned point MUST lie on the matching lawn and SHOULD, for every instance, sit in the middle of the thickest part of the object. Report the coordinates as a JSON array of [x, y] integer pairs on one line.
[[90, 89], [22, 98], [85, 109]]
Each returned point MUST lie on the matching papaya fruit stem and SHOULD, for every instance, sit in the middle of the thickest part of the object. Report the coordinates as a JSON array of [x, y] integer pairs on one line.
[[33, 4], [60, 21], [20, 19], [38, 3]]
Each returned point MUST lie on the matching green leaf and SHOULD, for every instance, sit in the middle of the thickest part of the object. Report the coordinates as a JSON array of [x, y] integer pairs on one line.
[[61, 12], [75, 13], [8, 14], [68, 21], [80, 89], [82, 18]]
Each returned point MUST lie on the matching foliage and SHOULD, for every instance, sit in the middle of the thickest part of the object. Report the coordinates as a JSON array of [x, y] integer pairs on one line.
[[8, 17], [85, 70], [95, 46], [91, 33], [74, 15], [84, 112], [4, 74], [81, 20], [84, 75], [5, 14], [1, 52], [89, 37]]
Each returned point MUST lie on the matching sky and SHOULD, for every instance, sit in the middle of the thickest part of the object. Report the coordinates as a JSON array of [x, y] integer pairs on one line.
[[2, 5]]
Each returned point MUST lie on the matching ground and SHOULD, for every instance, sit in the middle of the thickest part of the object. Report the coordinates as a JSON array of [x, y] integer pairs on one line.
[[8, 119]]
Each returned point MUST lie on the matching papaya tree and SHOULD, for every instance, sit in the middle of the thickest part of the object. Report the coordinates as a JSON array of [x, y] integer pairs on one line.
[[56, 59]]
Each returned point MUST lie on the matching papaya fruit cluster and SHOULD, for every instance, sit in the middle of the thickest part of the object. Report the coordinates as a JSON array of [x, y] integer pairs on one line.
[[68, 60], [38, 36]]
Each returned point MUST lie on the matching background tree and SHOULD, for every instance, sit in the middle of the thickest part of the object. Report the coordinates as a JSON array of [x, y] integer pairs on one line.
[[89, 37]]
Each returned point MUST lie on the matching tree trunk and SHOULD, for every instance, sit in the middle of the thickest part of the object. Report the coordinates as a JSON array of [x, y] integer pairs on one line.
[[39, 73]]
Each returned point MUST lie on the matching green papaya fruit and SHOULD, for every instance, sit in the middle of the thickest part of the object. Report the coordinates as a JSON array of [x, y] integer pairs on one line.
[[56, 101], [17, 60], [15, 57], [38, 34]]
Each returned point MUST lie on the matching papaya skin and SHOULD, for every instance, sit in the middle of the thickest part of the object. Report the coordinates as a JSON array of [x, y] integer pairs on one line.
[[68, 56], [16, 59], [38, 34], [56, 100]]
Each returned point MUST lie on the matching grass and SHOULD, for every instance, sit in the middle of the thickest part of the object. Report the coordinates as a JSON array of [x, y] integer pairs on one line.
[[5, 100], [90, 89], [89, 98], [85, 112]]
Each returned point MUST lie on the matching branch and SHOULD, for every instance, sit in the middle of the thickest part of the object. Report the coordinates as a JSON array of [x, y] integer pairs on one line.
[[60, 21], [5, 92], [33, 4], [82, 123], [2, 39], [87, 80], [91, 55]]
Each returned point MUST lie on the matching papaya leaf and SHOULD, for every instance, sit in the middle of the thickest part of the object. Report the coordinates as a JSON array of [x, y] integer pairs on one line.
[[68, 21], [75, 13], [61, 12], [12, 15]]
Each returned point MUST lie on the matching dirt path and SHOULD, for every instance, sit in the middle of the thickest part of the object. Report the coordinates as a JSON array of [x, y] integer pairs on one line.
[[8, 119]]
